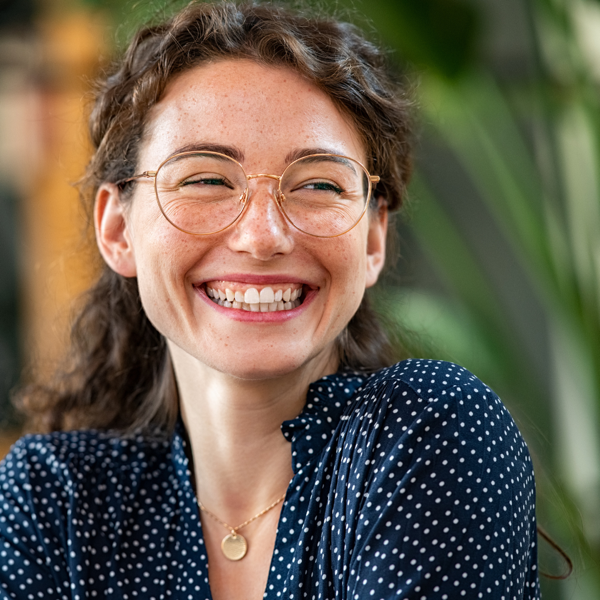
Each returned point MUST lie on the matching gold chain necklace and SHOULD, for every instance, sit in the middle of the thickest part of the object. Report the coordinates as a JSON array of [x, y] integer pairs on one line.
[[234, 545]]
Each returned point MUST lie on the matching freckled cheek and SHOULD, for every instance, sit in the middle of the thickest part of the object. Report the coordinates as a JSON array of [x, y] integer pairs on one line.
[[166, 248], [349, 269], [160, 274]]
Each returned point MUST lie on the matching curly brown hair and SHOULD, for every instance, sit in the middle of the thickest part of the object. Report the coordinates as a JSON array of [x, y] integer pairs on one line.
[[119, 375]]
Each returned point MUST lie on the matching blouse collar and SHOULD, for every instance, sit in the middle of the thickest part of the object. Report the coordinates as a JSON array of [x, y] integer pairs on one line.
[[312, 429]]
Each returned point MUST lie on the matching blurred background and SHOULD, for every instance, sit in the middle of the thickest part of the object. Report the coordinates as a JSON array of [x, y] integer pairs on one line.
[[498, 266]]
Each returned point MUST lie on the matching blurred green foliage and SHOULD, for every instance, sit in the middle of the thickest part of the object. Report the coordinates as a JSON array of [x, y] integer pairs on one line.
[[436, 34]]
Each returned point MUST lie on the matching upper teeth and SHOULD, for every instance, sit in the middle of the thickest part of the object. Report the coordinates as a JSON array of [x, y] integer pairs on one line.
[[266, 300]]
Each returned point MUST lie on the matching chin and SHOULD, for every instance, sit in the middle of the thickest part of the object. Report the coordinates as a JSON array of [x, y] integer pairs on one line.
[[271, 363], [259, 368]]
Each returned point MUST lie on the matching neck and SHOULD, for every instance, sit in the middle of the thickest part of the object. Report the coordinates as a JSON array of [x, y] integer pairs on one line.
[[242, 462]]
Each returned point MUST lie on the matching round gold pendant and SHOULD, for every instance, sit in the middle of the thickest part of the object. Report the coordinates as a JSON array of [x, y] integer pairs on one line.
[[234, 546]]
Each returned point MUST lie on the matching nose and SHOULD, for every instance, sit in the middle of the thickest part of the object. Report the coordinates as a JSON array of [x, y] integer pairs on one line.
[[262, 230]]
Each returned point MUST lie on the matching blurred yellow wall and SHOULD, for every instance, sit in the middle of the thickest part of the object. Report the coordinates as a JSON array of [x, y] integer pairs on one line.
[[56, 264], [6, 441], [50, 149]]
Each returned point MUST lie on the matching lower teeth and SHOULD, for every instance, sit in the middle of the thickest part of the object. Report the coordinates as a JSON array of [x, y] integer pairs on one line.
[[260, 307]]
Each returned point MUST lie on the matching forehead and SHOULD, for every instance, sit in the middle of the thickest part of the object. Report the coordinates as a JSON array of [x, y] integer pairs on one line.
[[261, 110]]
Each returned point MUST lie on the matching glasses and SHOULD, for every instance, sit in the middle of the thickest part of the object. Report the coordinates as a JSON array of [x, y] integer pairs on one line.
[[201, 193]]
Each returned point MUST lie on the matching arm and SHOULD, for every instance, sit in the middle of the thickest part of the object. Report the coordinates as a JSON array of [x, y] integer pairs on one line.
[[449, 504], [30, 555]]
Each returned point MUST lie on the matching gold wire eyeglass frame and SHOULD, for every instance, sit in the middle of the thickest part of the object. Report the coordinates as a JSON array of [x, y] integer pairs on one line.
[[279, 195]]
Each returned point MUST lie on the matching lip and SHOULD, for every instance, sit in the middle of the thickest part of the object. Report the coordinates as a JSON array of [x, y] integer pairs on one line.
[[310, 294], [256, 279]]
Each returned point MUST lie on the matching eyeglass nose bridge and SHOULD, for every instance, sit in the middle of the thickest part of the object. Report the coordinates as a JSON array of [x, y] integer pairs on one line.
[[276, 177], [278, 192]]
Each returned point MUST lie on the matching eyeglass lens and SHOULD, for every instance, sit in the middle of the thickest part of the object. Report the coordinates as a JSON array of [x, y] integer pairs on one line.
[[201, 193]]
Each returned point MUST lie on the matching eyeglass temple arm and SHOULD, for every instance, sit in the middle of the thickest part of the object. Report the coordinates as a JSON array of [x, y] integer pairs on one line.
[[149, 174], [381, 202]]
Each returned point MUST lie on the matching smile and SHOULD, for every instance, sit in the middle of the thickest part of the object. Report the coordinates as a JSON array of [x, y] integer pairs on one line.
[[255, 299]]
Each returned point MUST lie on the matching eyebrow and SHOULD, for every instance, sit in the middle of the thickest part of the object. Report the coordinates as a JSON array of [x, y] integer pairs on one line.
[[302, 152], [336, 158], [230, 151]]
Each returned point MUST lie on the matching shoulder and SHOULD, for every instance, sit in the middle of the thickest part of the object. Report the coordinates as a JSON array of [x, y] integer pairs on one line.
[[429, 379], [66, 456], [64, 447], [418, 407], [418, 388]]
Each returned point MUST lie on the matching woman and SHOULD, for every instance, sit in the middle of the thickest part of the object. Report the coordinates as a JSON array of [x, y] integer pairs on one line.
[[233, 430]]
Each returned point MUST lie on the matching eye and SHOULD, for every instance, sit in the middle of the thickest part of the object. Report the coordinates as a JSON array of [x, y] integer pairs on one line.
[[323, 186], [206, 180]]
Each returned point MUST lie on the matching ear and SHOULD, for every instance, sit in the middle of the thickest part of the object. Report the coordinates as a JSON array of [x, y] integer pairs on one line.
[[112, 234], [378, 223]]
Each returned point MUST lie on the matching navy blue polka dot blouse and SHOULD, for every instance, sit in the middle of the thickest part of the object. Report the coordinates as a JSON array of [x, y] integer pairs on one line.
[[410, 483]]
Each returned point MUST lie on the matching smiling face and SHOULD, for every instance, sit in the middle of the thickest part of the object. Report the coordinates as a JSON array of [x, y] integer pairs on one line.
[[264, 117]]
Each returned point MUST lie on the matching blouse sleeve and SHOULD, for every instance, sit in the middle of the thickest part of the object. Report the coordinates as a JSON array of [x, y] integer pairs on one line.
[[29, 550], [448, 500]]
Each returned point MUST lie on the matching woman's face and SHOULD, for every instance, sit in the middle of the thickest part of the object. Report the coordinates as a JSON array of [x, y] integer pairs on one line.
[[266, 116]]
